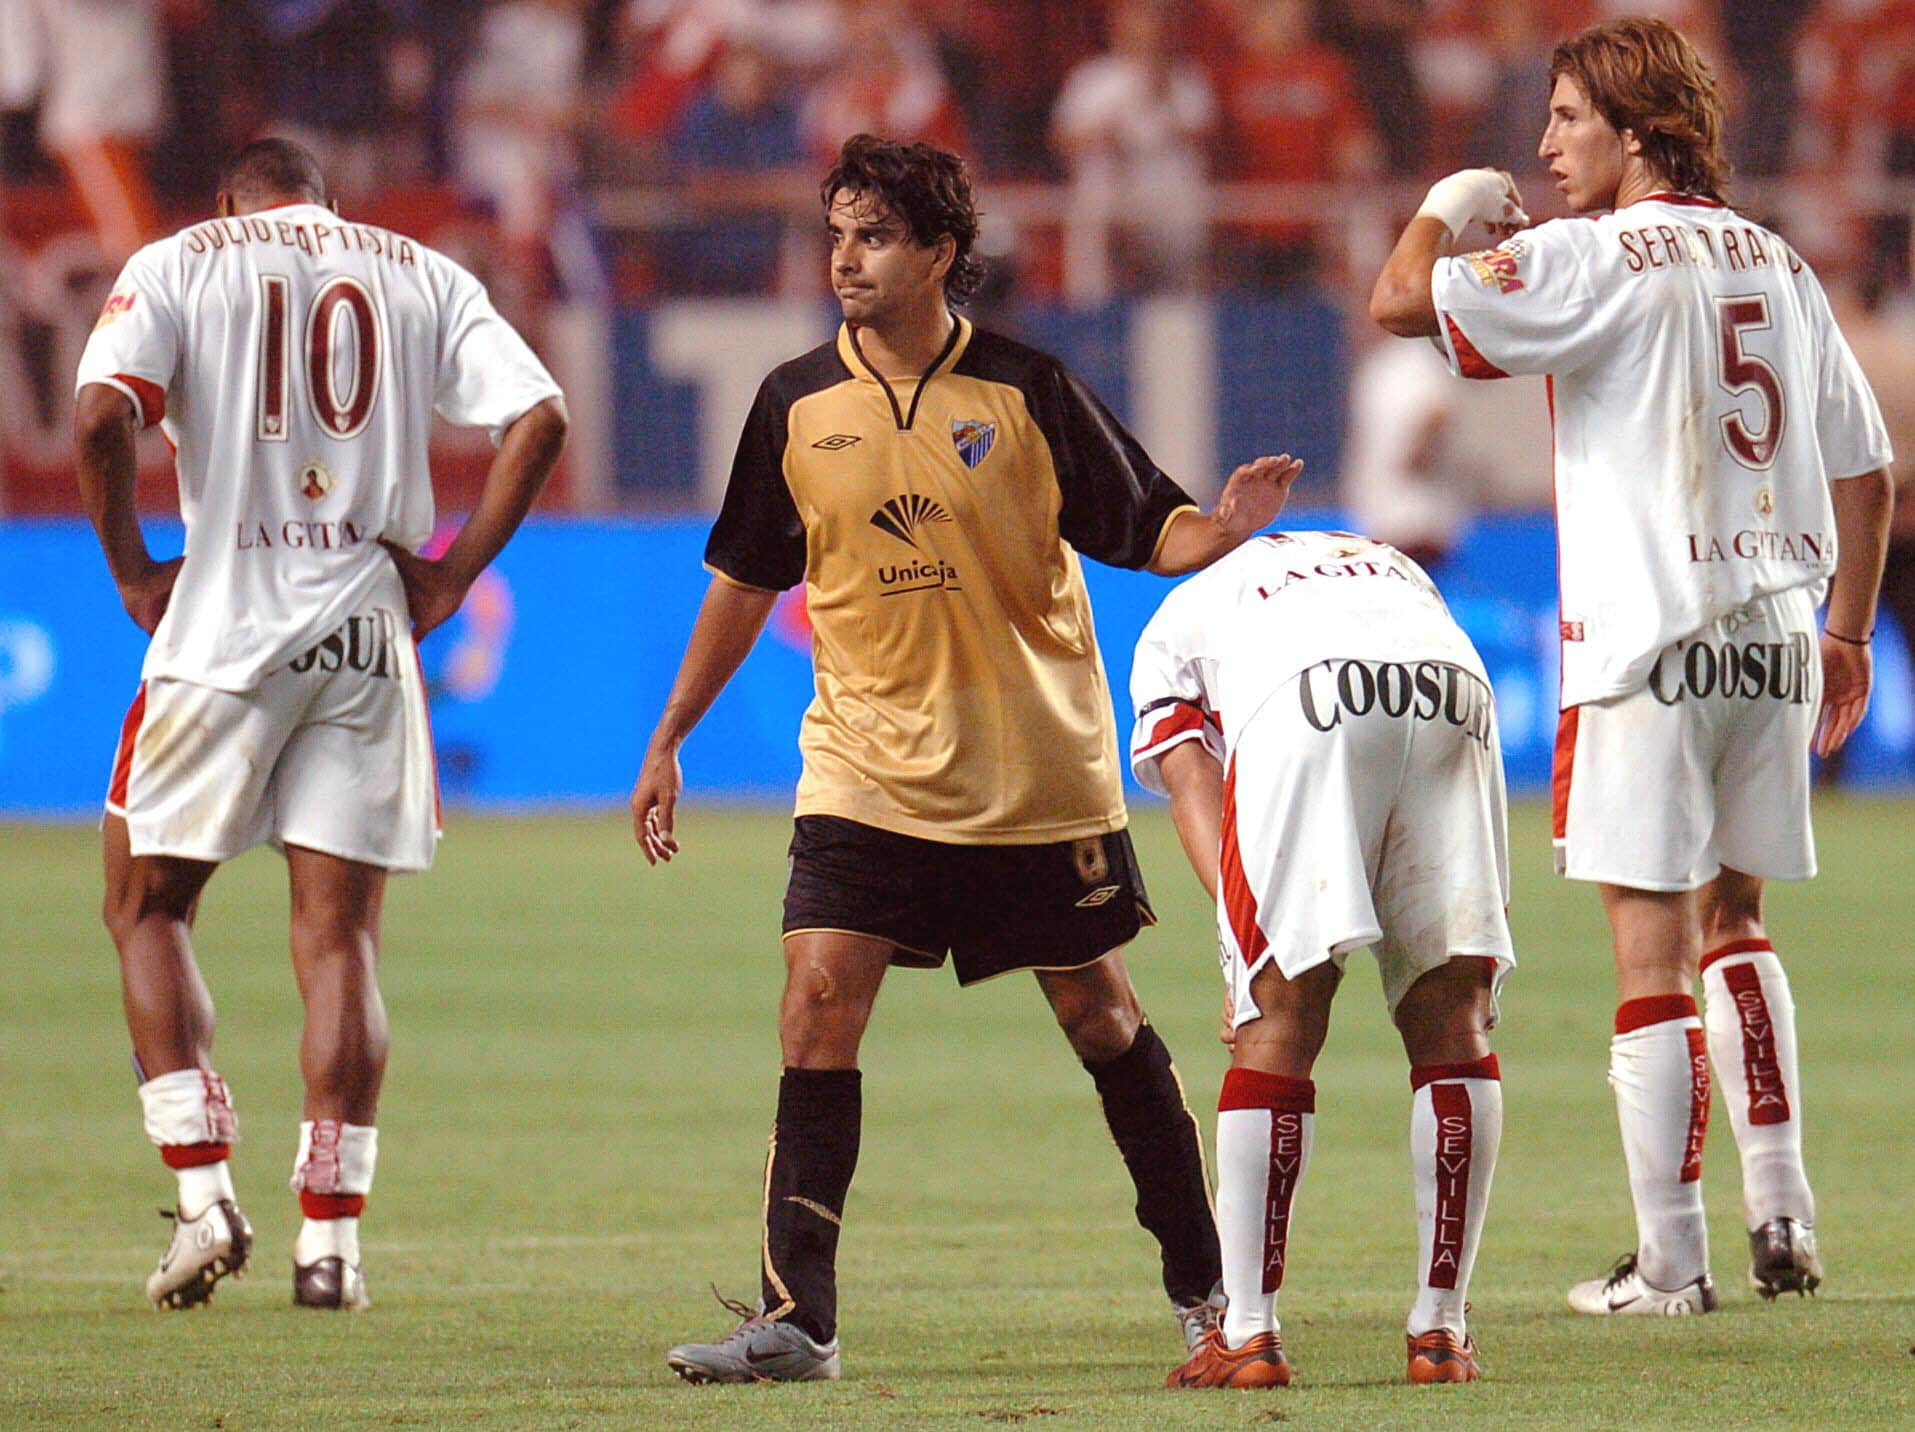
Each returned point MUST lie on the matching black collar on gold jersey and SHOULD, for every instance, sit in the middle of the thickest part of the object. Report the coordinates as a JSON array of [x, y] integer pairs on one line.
[[898, 415]]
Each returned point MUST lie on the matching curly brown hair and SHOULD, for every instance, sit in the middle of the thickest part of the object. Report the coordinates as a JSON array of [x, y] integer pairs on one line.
[[927, 187], [1645, 76]]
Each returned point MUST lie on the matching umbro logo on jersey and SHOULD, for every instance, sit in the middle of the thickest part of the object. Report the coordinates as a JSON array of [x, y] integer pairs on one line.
[[973, 439], [903, 516], [1102, 895], [837, 442]]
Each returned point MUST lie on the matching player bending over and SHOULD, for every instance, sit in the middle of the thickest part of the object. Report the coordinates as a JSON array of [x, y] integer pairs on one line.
[[294, 361], [1720, 462], [1327, 738]]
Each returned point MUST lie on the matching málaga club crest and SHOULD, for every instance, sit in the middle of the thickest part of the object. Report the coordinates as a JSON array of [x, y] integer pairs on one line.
[[973, 439]]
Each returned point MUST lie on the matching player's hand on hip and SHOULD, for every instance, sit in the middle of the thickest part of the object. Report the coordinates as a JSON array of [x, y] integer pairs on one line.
[[433, 591], [1255, 493], [1227, 1024], [655, 805], [147, 593], [1847, 674]]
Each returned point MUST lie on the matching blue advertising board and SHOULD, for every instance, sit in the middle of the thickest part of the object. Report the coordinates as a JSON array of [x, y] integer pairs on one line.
[[546, 684]]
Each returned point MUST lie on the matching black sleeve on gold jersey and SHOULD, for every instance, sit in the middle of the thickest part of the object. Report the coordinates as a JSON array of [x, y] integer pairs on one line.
[[1115, 499], [758, 538]]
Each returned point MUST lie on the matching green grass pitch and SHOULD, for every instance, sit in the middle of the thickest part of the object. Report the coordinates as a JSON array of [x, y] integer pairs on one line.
[[583, 1070]]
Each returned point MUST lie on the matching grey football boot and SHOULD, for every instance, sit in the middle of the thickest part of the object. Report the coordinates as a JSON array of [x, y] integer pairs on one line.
[[759, 1349], [1197, 1319], [204, 1250], [1782, 1259]]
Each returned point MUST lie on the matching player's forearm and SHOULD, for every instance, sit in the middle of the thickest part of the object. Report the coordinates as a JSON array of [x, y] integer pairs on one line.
[[104, 429], [1192, 542], [1400, 301], [524, 461], [1864, 506], [1194, 779], [727, 627]]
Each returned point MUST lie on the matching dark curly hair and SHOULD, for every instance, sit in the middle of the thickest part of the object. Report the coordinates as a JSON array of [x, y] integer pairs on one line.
[[927, 187], [1645, 76]]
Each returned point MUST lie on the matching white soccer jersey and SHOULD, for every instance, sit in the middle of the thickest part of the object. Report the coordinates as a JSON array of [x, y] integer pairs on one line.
[[1227, 639], [295, 361], [1703, 401]]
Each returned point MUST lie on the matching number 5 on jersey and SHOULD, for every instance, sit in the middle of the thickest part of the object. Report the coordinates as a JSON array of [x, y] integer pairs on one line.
[[340, 321], [1755, 448]]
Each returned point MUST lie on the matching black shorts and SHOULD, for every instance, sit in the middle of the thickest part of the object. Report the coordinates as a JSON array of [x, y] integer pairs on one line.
[[993, 908]]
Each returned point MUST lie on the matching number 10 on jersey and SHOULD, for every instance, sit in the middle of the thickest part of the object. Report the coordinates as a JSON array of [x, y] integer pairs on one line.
[[340, 320]]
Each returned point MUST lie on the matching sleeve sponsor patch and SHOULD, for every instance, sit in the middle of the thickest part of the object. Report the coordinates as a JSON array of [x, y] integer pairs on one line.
[[120, 301], [1499, 268]]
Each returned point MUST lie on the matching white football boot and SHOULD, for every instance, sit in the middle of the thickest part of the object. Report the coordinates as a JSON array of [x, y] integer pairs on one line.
[[204, 1250], [1625, 1293]]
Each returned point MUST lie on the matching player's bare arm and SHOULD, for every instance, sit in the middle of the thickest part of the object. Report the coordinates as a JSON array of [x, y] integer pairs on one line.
[[728, 624], [1400, 301], [436, 586], [1194, 779], [104, 427], [1250, 501], [1863, 506]]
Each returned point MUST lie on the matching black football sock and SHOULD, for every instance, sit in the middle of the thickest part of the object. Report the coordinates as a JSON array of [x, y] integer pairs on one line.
[[814, 1150], [1158, 1137]]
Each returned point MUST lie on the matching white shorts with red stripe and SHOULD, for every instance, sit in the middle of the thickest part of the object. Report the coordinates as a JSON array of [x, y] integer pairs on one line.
[[1707, 766], [332, 752], [1364, 805]]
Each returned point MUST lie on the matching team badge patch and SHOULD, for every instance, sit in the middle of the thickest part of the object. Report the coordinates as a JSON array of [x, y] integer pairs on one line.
[[1498, 268], [315, 481], [973, 439], [902, 516], [120, 302]]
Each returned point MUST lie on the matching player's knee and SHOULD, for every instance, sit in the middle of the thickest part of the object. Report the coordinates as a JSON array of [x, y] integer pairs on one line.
[[1100, 1028], [324, 938]]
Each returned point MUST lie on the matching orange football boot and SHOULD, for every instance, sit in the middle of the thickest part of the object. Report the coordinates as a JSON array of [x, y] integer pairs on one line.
[[1437, 1356], [1258, 1363]]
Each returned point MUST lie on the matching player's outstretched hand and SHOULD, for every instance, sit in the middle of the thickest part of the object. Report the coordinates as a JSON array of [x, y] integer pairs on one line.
[[1255, 493], [146, 596], [433, 590], [1847, 673], [655, 804]]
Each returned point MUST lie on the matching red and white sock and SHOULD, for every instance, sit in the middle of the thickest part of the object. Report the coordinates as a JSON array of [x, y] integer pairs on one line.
[[189, 1116], [1659, 1068], [1263, 1146], [1750, 1015], [332, 1174], [1456, 1125]]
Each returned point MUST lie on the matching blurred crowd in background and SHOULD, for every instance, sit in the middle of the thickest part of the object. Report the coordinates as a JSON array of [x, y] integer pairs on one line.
[[644, 146], [616, 153]]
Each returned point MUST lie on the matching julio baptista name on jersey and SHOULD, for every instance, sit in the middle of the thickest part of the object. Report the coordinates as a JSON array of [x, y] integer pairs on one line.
[[1736, 247], [311, 239]]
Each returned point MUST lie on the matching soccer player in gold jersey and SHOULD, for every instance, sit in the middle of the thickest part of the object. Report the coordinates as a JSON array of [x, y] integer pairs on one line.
[[932, 484]]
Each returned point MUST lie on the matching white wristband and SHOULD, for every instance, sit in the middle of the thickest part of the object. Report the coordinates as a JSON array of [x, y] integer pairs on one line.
[[1471, 194]]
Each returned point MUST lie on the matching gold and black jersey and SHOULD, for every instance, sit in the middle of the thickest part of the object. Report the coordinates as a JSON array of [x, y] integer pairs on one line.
[[936, 526]]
